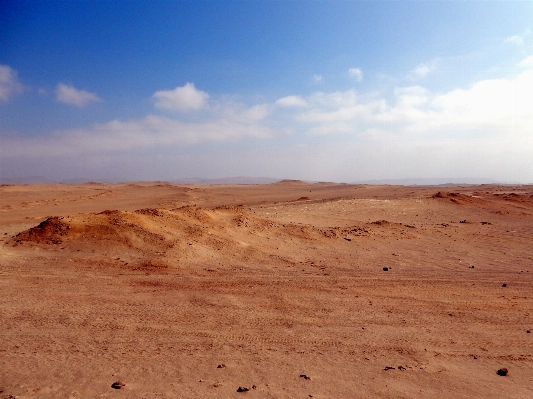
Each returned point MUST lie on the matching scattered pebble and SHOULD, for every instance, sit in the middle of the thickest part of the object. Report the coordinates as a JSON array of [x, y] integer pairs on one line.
[[528, 331], [471, 267], [118, 385], [305, 377], [504, 285], [389, 368], [502, 372], [221, 366], [245, 389], [217, 384], [385, 269], [401, 368], [347, 239]]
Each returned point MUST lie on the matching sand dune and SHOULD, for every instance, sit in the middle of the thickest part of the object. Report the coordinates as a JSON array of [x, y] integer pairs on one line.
[[291, 289]]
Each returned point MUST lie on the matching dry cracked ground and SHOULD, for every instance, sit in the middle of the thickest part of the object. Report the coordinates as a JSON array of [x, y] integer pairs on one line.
[[286, 290]]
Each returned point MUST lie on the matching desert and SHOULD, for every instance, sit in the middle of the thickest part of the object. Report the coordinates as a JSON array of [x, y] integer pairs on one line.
[[283, 290]]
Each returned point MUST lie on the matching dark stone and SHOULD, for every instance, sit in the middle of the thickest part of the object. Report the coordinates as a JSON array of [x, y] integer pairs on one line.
[[385, 269], [504, 285], [118, 385], [243, 389], [502, 372]]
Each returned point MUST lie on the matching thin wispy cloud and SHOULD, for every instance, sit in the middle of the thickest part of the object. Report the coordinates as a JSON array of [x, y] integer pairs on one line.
[[356, 73], [422, 70], [9, 83], [515, 39], [527, 62], [318, 78], [184, 98], [68, 94], [291, 101], [521, 39]]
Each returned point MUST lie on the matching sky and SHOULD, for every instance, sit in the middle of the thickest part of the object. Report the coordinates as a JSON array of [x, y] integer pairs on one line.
[[331, 90]]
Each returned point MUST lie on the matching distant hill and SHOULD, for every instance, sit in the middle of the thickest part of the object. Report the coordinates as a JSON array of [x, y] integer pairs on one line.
[[431, 181], [263, 180], [227, 180], [26, 180]]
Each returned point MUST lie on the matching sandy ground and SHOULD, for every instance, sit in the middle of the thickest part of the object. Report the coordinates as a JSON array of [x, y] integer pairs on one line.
[[281, 289]]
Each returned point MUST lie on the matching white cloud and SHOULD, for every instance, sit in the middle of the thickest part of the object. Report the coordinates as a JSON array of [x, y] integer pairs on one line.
[[185, 98], [411, 96], [527, 62], [485, 129], [255, 113], [230, 122], [68, 94], [493, 106], [421, 71], [489, 107], [291, 101], [356, 73], [519, 40], [516, 39], [318, 78], [9, 83]]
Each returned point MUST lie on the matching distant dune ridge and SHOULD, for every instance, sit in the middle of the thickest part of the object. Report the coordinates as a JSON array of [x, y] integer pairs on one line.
[[260, 180]]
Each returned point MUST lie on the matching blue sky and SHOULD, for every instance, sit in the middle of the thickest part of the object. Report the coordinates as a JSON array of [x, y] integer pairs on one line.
[[315, 90]]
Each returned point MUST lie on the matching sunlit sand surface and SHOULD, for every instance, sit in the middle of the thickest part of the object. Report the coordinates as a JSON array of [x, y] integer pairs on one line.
[[286, 290]]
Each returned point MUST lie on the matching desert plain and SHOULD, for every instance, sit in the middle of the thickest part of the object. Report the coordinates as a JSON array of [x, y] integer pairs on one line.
[[285, 290]]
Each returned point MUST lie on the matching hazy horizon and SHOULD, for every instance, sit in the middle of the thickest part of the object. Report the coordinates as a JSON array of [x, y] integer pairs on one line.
[[311, 90]]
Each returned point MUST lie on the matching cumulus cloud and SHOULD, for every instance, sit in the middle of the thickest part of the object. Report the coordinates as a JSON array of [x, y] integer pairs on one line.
[[9, 83], [498, 106], [291, 101], [356, 73], [184, 98], [68, 94]]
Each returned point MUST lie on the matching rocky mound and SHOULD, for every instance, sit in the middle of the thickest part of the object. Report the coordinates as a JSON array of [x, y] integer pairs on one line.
[[457, 198], [160, 237], [188, 232]]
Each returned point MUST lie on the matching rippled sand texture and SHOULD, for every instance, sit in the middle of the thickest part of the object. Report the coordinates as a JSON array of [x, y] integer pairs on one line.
[[286, 290]]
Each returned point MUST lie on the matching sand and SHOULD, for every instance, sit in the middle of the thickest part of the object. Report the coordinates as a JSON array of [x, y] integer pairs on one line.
[[285, 290]]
